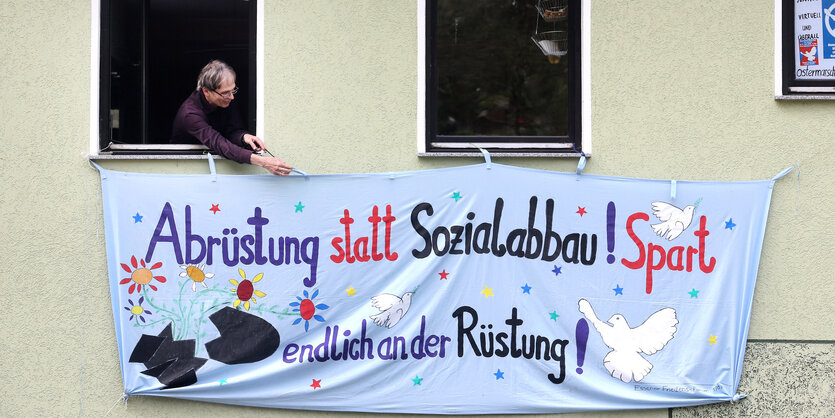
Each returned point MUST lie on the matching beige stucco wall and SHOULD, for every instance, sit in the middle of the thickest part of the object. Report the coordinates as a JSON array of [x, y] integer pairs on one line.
[[680, 90]]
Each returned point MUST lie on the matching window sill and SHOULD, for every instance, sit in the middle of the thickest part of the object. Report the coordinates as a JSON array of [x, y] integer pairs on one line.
[[805, 97], [503, 154], [152, 157], [153, 152]]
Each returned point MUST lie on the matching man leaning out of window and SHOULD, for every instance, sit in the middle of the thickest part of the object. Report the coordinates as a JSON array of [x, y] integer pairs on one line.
[[209, 116]]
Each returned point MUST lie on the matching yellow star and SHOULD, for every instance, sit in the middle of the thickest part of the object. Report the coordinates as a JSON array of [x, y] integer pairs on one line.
[[487, 292], [351, 290], [712, 339]]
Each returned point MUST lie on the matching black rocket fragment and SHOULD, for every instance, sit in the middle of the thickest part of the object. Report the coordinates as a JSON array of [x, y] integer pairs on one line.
[[244, 338], [172, 362]]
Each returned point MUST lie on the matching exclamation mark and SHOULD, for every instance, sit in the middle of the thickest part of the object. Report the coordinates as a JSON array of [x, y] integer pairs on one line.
[[581, 336], [610, 231]]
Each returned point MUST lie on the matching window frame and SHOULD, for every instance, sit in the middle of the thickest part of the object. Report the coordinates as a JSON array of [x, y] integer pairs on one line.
[[786, 86], [428, 144], [159, 151]]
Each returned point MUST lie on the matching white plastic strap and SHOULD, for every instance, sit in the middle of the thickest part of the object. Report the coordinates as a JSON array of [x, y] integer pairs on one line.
[[673, 189], [212, 166], [485, 154], [581, 164], [486, 157], [783, 173], [780, 175]]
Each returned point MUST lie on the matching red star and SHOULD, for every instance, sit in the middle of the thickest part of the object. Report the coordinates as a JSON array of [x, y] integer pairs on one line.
[[316, 384], [215, 208], [444, 274], [581, 211]]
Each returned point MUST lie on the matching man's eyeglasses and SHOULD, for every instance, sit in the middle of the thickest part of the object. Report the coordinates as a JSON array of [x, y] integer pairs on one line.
[[227, 95]]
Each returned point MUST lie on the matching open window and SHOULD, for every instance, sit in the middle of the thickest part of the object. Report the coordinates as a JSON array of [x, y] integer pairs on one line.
[[151, 52], [806, 49], [504, 76]]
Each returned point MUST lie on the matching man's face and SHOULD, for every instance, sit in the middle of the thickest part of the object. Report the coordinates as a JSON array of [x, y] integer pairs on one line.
[[223, 95]]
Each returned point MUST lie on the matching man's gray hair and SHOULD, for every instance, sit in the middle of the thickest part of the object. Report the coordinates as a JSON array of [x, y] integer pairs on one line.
[[213, 74]]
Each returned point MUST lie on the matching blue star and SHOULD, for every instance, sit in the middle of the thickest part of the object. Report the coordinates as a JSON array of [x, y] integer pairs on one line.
[[299, 207], [729, 224], [137, 218], [526, 289], [456, 196], [618, 290], [694, 293], [557, 270], [499, 374]]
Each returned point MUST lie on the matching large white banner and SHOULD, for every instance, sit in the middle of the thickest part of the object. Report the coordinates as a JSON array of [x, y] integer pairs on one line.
[[479, 289]]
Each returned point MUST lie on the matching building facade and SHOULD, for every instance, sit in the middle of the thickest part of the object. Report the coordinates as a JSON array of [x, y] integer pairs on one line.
[[674, 90]]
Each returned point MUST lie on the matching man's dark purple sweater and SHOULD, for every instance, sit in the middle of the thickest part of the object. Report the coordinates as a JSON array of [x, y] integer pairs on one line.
[[217, 128]]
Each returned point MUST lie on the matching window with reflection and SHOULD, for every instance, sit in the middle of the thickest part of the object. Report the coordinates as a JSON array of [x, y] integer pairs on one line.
[[504, 75]]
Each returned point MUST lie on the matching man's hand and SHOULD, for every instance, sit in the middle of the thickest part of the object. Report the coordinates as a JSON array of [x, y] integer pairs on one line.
[[274, 165], [254, 142]]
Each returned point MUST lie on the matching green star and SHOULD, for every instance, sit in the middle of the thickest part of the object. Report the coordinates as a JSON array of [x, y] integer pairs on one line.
[[456, 196], [299, 207], [554, 315], [693, 293], [417, 380]]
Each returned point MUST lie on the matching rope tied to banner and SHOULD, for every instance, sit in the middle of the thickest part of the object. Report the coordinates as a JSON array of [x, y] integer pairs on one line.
[[97, 167], [738, 397], [797, 188], [123, 398]]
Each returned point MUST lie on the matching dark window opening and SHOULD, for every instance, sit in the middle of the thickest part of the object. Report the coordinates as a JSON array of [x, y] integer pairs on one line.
[[504, 74], [151, 54]]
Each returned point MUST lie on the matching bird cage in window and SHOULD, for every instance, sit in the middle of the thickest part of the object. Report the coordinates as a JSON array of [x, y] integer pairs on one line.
[[553, 10], [552, 43]]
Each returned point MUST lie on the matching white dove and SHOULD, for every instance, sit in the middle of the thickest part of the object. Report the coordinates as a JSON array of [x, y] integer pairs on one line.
[[624, 361], [393, 308], [674, 220], [810, 56]]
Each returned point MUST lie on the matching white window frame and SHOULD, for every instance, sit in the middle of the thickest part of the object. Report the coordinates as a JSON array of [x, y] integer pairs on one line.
[[585, 89], [800, 93], [95, 57]]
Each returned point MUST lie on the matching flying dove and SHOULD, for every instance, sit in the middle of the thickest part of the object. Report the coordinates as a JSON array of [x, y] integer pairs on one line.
[[393, 308], [810, 56], [625, 362], [674, 220]]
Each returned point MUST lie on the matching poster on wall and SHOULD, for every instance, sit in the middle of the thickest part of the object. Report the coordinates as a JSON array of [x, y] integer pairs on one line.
[[814, 29], [468, 290]]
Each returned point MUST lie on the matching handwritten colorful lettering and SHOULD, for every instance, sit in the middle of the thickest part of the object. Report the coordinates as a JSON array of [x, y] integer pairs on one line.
[[479, 289]]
